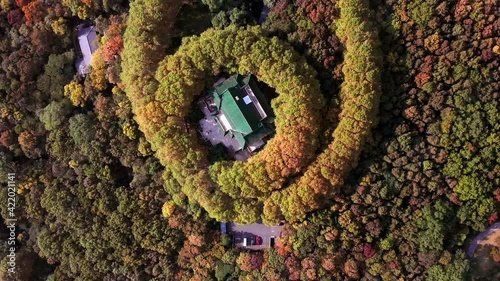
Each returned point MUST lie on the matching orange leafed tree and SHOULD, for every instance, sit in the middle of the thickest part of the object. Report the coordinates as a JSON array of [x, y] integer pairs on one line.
[[34, 11], [22, 3], [88, 3], [6, 138], [112, 48], [113, 42]]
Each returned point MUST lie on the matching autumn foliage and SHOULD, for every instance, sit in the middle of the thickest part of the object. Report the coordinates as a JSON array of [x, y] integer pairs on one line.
[[22, 3], [297, 111], [236, 190], [112, 48], [34, 11], [96, 203], [360, 97]]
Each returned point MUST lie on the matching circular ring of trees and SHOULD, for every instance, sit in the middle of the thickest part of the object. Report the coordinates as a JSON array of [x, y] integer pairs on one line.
[[162, 90], [182, 78]]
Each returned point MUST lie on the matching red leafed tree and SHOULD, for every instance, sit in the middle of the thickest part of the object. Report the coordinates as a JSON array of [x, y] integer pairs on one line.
[[35, 11], [293, 267], [112, 48], [497, 195], [493, 218], [256, 261], [280, 7], [282, 248], [318, 10], [393, 265], [250, 261], [22, 3], [422, 78], [15, 17], [103, 107], [368, 251], [114, 43], [7, 138]]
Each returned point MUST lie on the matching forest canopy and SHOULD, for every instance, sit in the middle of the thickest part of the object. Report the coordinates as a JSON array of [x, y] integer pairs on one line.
[[180, 78], [382, 165]]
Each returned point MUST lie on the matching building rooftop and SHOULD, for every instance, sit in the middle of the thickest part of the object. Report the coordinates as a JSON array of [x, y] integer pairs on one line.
[[88, 43], [242, 110]]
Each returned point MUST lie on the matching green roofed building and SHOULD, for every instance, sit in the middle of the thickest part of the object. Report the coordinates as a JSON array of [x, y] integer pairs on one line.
[[242, 111]]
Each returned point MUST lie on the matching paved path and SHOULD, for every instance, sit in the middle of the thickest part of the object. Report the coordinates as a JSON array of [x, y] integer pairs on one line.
[[211, 132], [480, 237], [248, 230]]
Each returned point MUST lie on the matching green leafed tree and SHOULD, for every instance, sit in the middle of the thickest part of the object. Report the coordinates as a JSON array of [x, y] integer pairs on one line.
[[456, 270], [58, 71], [54, 114], [81, 130]]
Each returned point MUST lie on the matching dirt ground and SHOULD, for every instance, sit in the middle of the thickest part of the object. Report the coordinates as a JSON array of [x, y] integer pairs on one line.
[[492, 239]]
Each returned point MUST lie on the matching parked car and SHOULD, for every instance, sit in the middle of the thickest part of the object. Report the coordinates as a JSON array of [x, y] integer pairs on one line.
[[272, 241], [252, 240], [258, 240]]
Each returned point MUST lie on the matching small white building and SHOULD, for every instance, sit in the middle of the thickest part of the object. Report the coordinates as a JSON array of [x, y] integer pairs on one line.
[[88, 44]]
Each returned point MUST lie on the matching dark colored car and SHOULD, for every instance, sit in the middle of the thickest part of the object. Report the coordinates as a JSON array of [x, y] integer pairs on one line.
[[258, 240], [271, 241]]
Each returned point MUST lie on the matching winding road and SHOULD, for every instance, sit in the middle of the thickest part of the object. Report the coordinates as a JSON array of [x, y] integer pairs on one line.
[[480, 237]]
